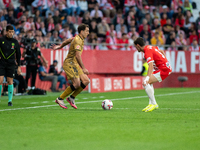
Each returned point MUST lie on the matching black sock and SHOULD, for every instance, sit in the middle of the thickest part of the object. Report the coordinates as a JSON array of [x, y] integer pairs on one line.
[[72, 96], [60, 98]]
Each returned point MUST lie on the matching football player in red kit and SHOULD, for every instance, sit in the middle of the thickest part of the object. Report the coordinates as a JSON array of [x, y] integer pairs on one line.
[[159, 69]]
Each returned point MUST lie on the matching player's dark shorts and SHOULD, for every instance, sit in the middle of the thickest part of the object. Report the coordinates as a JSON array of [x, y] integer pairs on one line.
[[7, 70]]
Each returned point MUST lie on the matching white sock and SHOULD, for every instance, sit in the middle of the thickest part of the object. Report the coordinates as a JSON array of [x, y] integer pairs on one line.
[[150, 92]]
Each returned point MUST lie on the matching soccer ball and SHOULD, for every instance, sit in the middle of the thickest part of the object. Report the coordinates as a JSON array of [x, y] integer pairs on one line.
[[107, 104]]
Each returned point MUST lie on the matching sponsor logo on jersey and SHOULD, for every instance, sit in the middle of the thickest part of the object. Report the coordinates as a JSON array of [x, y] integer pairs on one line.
[[78, 47]]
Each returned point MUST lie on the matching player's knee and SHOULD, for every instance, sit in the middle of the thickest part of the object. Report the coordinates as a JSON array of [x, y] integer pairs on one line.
[[86, 82], [77, 85]]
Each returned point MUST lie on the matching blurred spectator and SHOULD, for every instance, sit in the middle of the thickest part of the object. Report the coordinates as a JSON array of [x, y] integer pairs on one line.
[[111, 41], [132, 24], [2, 6], [144, 22], [71, 24], [130, 17], [37, 15], [188, 20], [56, 17], [147, 39], [37, 23], [119, 26], [140, 14], [180, 21], [6, 3], [117, 18], [179, 12], [178, 31], [86, 18], [97, 18], [155, 14], [145, 31], [173, 46], [148, 18], [165, 11], [187, 6], [61, 79], [107, 8], [133, 31], [102, 45], [170, 38], [181, 42], [156, 24], [62, 11], [168, 27], [92, 36], [156, 39], [112, 29], [103, 27], [96, 10], [91, 4], [193, 37], [50, 10], [44, 76], [83, 5], [73, 7], [175, 5], [198, 24], [123, 41], [10, 17], [43, 29], [51, 25], [93, 26], [194, 46], [55, 37], [163, 20]]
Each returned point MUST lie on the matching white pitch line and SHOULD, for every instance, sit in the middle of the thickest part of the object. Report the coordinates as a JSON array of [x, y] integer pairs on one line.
[[126, 98]]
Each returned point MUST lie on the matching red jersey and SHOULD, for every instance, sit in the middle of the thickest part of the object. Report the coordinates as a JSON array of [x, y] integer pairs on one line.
[[153, 54]]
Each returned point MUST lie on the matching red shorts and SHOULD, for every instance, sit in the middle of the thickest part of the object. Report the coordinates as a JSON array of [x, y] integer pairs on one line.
[[163, 73]]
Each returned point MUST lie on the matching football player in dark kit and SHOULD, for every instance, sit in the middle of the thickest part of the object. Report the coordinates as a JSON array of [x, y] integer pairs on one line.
[[9, 55]]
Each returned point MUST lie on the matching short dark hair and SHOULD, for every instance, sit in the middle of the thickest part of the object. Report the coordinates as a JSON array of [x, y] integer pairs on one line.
[[82, 27], [139, 41], [124, 34], [9, 27]]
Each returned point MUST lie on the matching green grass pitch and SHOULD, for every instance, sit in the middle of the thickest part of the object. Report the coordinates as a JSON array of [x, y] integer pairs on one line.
[[38, 123]]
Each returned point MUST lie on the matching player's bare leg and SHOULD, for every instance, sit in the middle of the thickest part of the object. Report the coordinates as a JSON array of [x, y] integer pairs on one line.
[[84, 82], [150, 92]]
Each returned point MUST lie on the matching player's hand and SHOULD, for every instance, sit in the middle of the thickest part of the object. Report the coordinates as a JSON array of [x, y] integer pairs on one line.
[[19, 72], [55, 47], [146, 81], [85, 71]]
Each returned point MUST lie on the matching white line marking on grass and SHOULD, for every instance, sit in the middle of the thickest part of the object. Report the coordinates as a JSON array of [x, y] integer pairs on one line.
[[101, 96], [45, 101], [34, 102], [126, 98]]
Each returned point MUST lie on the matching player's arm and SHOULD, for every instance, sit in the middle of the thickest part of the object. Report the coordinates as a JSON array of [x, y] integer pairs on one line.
[[80, 62], [150, 71], [66, 42]]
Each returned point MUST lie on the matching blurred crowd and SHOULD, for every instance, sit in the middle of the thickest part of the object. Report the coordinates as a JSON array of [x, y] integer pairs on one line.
[[114, 24]]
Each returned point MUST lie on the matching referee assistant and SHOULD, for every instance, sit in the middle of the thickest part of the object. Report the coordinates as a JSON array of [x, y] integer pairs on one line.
[[9, 52]]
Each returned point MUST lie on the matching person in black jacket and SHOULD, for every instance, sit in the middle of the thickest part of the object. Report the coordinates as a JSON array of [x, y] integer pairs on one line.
[[9, 51], [61, 78], [31, 54]]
